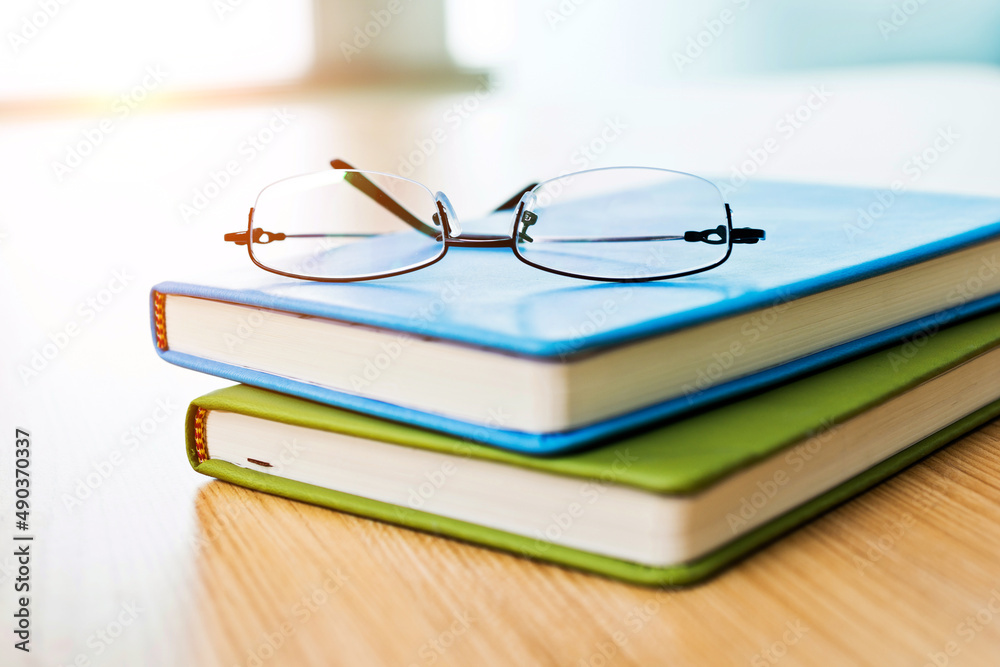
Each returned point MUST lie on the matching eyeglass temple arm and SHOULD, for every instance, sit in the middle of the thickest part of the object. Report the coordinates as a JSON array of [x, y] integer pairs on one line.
[[373, 191], [715, 236], [380, 197], [366, 186], [263, 237], [705, 236]]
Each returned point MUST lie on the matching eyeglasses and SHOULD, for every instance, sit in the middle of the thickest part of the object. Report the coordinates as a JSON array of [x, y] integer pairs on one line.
[[617, 224]]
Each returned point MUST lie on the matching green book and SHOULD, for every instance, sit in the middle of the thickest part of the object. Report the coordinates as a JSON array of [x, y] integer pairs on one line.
[[669, 506]]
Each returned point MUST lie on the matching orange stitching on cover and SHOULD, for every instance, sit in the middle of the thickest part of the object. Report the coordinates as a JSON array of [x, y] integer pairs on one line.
[[159, 319], [200, 446]]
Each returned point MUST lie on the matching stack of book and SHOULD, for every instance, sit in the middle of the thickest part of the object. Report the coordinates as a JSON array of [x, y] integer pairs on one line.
[[650, 432]]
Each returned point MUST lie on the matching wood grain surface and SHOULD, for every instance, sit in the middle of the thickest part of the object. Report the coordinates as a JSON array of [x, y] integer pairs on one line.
[[140, 561], [905, 574]]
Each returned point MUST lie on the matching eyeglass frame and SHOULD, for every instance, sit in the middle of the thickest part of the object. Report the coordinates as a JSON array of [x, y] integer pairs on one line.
[[452, 231]]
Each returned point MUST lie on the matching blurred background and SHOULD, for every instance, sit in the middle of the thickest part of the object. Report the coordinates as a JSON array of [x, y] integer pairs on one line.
[[133, 135], [123, 122], [59, 53]]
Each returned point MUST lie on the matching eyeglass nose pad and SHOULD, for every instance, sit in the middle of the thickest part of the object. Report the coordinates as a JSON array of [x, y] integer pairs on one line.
[[526, 203], [452, 228]]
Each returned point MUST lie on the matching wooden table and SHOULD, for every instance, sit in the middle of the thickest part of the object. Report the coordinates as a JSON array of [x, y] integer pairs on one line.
[[137, 560]]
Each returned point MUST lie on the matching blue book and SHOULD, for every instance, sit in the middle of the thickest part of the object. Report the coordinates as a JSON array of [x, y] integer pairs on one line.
[[485, 347]]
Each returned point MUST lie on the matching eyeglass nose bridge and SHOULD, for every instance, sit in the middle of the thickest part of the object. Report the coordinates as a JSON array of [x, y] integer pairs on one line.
[[449, 220]]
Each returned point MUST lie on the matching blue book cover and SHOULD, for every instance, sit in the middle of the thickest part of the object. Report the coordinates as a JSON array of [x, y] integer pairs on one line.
[[819, 238]]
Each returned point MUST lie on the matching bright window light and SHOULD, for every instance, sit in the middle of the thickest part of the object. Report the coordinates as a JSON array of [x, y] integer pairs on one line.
[[61, 48], [480, 34]]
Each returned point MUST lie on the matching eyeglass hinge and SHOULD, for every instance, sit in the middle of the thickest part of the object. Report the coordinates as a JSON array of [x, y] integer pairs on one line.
[[706, 236], [259, 236], [239, 238], [747, 235]]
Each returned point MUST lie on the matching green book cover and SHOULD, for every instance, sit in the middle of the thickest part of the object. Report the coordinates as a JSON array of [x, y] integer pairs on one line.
[[679, 458]]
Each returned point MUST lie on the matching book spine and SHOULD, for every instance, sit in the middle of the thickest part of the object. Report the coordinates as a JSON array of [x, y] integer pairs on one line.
[[160, 319], [195, 436], [200, 441]]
